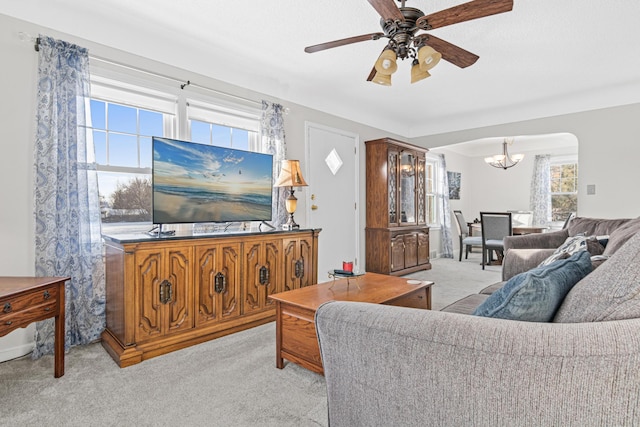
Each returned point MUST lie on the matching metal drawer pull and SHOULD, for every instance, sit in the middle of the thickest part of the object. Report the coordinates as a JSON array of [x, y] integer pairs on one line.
[[299, 269], [46, 295], [166, 292], [47, 309], [7, 307], [220, 283], [8, 322], [263, 275]]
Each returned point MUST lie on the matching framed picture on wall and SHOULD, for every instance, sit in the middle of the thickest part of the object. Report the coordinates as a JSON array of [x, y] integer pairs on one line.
[[454, 185]]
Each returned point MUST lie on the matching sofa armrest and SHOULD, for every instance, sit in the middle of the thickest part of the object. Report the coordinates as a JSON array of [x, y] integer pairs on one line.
[[388, 365], [518, 261], [550, 240]]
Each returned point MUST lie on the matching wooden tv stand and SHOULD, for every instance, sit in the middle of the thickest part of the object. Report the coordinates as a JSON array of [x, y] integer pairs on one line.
[[170, 292]]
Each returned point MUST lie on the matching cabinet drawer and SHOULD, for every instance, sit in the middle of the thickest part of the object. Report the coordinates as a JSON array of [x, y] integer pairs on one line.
[[25, 316], [418, 299], [14, 304]]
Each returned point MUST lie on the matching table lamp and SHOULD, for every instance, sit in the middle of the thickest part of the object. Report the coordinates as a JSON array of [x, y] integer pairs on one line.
[[290, 176]]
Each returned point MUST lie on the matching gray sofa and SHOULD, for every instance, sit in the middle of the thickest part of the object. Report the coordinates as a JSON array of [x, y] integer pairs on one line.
[[525, 252], [522, 253], [388, 366]]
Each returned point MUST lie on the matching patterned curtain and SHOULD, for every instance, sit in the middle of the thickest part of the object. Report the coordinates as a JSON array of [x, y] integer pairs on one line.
[[272, 139], [442, 190], [540, 202], [67, 213]]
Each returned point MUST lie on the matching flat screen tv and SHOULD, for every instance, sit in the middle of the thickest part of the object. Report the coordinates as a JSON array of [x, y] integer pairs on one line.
[[195, 183]]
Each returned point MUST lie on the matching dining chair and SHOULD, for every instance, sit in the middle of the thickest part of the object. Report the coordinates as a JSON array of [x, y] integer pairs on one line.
[[522, 218], [495, 227], [568, 220], [466, 241]]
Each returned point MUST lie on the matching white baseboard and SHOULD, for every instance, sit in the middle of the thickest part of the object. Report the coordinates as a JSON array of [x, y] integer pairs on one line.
[[18, 343]]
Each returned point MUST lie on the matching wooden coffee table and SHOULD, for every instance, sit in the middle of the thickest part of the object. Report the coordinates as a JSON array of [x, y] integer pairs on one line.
[[296, 338]]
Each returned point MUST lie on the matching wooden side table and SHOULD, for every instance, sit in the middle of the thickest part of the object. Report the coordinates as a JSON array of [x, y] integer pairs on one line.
[[24, 300]]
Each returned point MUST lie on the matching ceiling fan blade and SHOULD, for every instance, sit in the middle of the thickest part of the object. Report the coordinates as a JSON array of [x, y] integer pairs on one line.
[[464, 12], [387, 9], [342, 42], [372, 73], [450, 52]]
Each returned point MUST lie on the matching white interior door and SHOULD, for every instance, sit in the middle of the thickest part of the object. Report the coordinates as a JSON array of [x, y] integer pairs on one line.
[[333, 195]]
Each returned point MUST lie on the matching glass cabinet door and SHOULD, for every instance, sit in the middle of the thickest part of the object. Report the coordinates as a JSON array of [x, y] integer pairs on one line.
[[392, 183], [407, 188], [420, 191]]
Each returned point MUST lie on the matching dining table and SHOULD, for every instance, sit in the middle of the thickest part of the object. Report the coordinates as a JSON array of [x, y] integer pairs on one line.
[[475, 229]]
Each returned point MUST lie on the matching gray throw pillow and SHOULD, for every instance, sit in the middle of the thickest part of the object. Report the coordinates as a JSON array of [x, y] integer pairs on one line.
[[572, 245], [611, 292], [535, 295]]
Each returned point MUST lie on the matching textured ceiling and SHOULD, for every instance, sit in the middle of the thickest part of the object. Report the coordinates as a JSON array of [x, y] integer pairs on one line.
[[544, 58]]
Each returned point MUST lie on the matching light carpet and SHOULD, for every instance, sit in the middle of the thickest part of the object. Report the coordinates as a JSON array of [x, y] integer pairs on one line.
[[230, 381]]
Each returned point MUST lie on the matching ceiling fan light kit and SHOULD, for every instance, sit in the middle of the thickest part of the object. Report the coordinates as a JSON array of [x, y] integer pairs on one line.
[[386, 63], [382, 79], [401, 24], [428, 57], [417, 73]]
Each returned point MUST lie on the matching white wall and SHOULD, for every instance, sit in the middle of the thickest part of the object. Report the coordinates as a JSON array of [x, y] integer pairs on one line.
[[17, 104], [487, 189], [609, 147]]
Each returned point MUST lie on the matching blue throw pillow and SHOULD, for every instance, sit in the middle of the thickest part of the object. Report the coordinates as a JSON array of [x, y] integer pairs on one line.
[[536, 295]]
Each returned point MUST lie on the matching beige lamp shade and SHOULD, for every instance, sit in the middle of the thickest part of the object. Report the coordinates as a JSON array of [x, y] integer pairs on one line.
[[418, 73], [428, 57], [386, 63], [382, 79], [290, 175]]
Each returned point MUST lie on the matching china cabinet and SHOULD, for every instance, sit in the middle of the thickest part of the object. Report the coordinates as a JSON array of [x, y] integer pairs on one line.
[[397, 234]]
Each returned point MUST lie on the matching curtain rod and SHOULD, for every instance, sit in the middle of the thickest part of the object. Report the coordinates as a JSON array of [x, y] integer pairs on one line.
[[36, 40], [183, 84]]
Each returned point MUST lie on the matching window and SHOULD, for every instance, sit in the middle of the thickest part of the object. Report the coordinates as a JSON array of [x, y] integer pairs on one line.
[[222, 126], [564, 189], [431, 191], [122, 140], [125, 117]]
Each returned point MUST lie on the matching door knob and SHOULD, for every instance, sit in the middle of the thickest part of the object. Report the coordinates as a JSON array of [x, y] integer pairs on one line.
[[314, 207]]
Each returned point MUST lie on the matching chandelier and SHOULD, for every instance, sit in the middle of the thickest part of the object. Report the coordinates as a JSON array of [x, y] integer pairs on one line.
[[404, 44], [504, 160]]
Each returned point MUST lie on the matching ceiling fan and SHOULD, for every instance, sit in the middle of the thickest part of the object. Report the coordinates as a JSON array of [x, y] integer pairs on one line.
[[401, 24]]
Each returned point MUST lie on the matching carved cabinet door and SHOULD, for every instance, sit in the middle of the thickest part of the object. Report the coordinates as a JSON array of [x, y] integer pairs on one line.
[[410, 250], [163, 292], [397, 252], [217, 282], [262, 274], [297, 263], [423, 247]]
